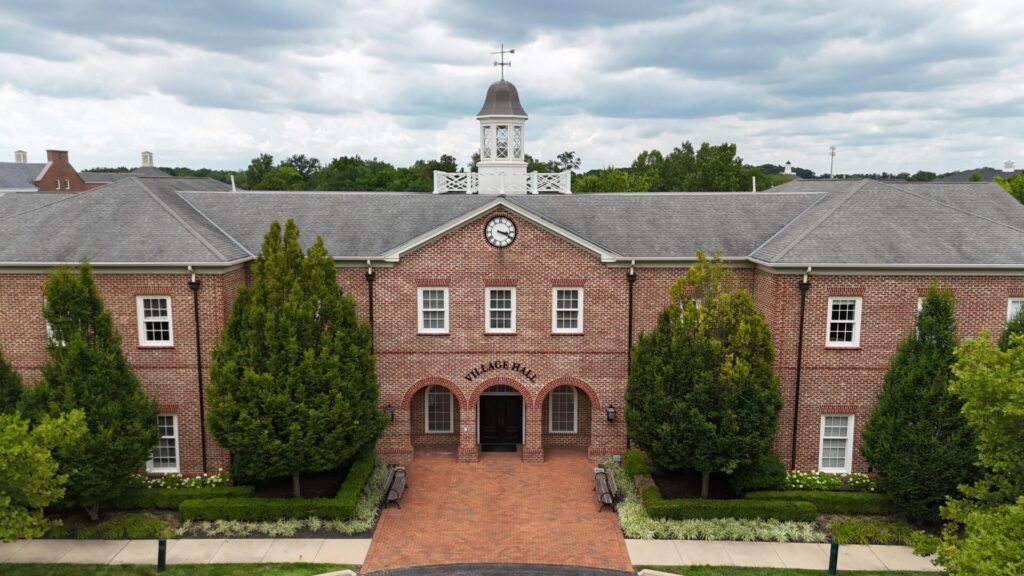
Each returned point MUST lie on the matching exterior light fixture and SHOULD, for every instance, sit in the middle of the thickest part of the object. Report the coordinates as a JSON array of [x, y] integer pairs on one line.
[[389, 411], [610, 413]]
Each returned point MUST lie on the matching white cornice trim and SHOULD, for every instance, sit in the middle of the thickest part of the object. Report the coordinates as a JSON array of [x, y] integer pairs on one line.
[[395, 254]]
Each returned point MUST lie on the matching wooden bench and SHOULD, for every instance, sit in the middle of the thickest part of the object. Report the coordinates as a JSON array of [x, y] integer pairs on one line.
[[604, 487], [395, 485]]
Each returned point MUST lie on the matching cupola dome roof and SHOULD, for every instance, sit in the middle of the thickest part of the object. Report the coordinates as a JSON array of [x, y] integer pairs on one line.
[[502, 100]]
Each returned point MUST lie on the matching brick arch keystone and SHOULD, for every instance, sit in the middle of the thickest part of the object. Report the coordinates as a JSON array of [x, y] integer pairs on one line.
[[566, 381], [433, 381], [500, 380]]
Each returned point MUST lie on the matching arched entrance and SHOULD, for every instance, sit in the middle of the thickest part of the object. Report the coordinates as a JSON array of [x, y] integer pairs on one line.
[[501, 419]]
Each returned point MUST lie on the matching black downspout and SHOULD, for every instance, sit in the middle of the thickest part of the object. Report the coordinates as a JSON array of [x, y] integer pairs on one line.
[[631, 279], [804, 285], [193, 285], [369, 289]]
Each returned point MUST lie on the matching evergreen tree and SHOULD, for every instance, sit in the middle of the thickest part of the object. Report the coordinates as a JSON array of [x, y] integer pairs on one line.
[[11, 389], [917, 440], [1013, 327], [702, 390], [293, 384], [88, 371]]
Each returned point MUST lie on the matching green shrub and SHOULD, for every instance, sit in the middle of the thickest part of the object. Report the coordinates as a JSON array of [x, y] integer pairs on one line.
[[846, 503], [797, 480], [132, 526], [358, 474], [171, 498], [693, 508], [764, 473], [265, 509], [635, 462], [870, 531]]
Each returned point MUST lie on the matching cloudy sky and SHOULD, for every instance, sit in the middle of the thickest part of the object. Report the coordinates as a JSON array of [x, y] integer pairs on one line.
[[896, 85]]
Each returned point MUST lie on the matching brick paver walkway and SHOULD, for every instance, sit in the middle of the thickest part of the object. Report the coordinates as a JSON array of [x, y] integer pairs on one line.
[[498, 510]]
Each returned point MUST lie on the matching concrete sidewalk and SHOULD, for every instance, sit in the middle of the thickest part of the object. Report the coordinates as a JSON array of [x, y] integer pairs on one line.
[[187, 551], [774, 555]]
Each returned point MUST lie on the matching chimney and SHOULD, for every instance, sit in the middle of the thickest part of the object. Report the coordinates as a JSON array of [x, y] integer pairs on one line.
[[57, 156], [147, 159], [1009, 166], [20, 156]]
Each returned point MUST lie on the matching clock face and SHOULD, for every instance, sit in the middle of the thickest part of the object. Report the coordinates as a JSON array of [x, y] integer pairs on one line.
[[500, 232]]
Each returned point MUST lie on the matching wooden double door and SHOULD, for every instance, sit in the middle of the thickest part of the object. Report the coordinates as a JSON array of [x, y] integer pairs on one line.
[[501, 422]]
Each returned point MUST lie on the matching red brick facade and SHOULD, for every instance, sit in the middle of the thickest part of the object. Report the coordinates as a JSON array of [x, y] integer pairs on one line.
[[533, 360], [60, 176]]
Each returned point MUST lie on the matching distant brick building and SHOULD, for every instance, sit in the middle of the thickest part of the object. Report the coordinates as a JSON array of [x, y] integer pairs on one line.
[[502, 321], [55, 175]]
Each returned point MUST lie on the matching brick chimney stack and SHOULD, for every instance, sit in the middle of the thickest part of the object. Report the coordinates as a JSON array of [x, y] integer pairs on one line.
[[57, 156], [147, 159], [59, 175], [20, 157]]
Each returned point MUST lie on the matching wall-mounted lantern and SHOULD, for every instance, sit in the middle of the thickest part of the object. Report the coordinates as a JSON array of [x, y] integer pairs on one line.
[[610, 413]]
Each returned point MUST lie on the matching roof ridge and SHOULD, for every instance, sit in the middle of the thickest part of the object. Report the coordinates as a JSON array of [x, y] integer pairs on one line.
[[821, 198], [821, 220], [178, 217], [951, 207], [214, 224]]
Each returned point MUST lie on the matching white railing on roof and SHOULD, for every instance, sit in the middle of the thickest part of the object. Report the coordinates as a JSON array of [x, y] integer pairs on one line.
[[502, 183]]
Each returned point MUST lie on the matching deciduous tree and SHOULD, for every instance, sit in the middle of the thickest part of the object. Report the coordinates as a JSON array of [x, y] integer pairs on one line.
[[11, 388], [702, 391], [293, 386]]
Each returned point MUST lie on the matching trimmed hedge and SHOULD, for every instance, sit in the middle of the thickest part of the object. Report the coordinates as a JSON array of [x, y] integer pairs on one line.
[[635, 462], [845, 503], [341, 507], [171, 498], [265, 509], [694, 508]]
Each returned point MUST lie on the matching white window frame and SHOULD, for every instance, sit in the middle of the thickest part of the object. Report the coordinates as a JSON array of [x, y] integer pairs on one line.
[[426, 410], [150, 467], [848, 463], [420, 310], [1010, 306], [575, 411], [67, 184], [58, 184], [487, 311], [141, 319], [554, 311], [855, 342]]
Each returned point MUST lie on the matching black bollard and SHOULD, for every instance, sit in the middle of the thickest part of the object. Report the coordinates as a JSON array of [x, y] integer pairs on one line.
[[833, 559], [161, 555]]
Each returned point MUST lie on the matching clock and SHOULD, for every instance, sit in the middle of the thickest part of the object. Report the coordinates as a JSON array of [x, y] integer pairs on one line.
[[500, 231]]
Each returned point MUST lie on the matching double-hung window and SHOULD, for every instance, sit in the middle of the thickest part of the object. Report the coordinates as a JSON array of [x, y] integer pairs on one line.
[[433, 310], [562, 412], [154, 315], [567, 310], [1013, 307], [501, 310], [844, 322], [440, 410], [836, 443], [165, 454]]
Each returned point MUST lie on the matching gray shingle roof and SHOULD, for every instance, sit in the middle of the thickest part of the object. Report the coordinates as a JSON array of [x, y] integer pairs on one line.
[[14, 203], [19, 176], [103, 177], [129, 221], [904, 225]]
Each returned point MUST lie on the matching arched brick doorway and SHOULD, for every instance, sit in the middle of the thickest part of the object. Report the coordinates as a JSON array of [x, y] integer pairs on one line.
[[566, 407], [501, 405]]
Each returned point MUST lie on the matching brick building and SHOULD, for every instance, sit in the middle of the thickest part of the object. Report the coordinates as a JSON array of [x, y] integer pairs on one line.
[[503, 317], [55, 175]]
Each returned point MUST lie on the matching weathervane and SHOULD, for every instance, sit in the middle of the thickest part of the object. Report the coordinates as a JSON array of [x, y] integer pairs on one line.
[[502, 63]]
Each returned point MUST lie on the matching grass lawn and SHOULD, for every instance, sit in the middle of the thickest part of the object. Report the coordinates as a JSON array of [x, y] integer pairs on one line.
[[179, 570], [733, 571]]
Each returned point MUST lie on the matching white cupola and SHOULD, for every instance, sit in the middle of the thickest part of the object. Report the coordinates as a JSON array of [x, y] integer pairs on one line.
[[502, 131]]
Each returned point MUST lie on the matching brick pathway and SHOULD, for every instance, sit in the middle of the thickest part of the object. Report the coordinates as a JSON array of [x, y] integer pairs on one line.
[[498, 510]]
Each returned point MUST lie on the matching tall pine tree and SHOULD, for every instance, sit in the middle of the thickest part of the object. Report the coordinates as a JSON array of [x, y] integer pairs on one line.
[[702, 390], [293, 382], [88, 371], [917, 440]]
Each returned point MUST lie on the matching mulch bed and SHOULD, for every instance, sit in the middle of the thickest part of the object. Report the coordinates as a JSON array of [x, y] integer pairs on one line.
[[686, 484], [313, 484]]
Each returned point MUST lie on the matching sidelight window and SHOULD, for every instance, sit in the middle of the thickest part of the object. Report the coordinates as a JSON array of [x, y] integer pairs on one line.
[[562, 412], [844, 322], [433, 310], [501, 310], [440, 410]]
